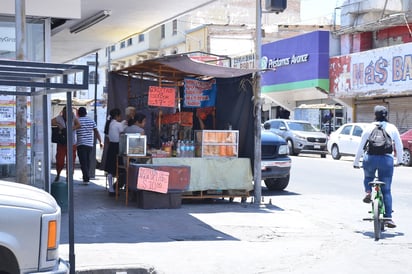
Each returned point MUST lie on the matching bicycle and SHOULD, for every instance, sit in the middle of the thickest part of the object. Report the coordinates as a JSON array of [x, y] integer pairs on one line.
[[378, 208]]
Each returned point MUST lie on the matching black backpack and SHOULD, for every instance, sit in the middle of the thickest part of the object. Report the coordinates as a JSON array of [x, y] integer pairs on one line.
[[379, 142]]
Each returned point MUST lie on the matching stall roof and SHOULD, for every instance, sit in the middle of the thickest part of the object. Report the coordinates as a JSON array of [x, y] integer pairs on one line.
[[175, 68]]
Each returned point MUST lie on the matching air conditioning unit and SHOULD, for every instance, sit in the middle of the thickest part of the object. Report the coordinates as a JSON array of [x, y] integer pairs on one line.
[[276, 5]]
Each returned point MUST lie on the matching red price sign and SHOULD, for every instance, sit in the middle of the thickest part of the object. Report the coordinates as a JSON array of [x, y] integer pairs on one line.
[[153, 180], [162, 97]]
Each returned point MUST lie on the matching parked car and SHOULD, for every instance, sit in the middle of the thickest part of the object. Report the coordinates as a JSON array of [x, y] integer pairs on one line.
[[406, 138], [301, 136], [275, 162], [345, 140], [29, 231]]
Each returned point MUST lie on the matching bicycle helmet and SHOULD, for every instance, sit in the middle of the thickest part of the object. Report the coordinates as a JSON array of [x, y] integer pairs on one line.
[[381, 113]]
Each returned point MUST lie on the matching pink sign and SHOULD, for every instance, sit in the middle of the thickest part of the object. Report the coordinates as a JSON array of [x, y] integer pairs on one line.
[[162, 97], [153, 180]]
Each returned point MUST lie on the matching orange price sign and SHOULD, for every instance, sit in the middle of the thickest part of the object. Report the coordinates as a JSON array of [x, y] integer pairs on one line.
[[153, 180], [161, 97]]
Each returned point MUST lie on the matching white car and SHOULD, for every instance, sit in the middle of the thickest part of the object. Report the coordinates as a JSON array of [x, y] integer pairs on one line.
[[345, 140], [29, 231]]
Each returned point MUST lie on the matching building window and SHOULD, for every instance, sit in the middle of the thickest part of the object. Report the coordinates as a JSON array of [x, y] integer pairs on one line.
[[122, 44], [163, 32], [174, 31], [141, 38], [93, 77], [129, 42], [112, 48]]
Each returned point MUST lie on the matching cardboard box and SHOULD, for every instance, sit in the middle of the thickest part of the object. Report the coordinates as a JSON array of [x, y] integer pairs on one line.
[[179, 176]]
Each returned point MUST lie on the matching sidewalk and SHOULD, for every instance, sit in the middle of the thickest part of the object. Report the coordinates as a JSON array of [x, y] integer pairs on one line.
[[214, 236]]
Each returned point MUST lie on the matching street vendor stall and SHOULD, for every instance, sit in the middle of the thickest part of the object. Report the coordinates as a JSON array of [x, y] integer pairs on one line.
[[180, 97]]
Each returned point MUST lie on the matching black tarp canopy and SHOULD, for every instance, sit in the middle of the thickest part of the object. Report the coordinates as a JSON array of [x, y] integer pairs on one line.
[[175, 68]]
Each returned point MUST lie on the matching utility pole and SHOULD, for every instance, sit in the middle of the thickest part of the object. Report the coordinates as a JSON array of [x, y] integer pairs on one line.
[[21, 100], [257, 169]]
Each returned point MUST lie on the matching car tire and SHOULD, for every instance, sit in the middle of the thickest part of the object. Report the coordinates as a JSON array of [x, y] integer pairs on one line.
[[291, 148], [278, 184], [335, 152], [407, 157]]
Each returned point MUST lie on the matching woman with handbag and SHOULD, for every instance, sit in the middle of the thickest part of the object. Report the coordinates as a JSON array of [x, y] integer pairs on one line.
[[60, 122]]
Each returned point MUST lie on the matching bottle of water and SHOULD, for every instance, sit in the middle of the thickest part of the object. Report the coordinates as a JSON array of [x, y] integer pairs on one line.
[[192, 149], [178, 148], [183, 149]]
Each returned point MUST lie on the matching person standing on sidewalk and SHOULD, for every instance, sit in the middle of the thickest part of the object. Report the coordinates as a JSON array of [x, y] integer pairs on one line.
[[114, 126], [136, 124], [85, 141], [61, 154]]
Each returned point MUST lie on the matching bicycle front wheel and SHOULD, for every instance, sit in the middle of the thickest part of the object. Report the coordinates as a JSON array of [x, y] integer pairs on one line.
[[376, 220]]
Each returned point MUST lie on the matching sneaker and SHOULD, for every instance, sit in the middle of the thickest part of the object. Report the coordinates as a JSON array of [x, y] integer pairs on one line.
[[390, 224], [86, 182], [367, 198]]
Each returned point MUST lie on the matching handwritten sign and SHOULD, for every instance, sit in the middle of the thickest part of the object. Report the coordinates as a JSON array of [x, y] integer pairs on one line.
[[153, 180], [199, 93], [161, 97]]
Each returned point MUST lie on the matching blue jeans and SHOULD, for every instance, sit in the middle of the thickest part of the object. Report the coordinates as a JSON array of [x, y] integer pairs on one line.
[[384, 165]]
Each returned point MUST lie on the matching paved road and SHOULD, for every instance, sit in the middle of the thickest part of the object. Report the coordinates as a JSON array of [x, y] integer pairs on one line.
[[314, 227]]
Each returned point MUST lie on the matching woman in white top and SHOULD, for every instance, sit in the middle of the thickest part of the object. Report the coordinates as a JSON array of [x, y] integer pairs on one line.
[[112, 129]]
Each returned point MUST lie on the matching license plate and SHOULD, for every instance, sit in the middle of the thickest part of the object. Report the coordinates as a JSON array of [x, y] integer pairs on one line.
[[316, 146]]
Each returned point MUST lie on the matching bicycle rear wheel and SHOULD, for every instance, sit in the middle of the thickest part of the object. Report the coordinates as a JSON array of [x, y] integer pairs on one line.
[[376, 220]]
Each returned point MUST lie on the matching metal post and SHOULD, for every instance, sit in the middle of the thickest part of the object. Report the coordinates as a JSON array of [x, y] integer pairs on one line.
[[21, 100], [258, 108], [70, 168], [92, 163]]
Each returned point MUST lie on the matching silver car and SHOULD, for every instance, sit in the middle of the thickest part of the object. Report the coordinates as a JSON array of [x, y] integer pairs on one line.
[[301, 136]]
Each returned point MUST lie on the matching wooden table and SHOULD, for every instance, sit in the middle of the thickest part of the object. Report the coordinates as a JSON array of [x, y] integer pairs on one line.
[[126, 162]]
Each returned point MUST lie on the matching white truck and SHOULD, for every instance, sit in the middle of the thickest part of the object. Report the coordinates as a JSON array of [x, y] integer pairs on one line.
[[29, 231]]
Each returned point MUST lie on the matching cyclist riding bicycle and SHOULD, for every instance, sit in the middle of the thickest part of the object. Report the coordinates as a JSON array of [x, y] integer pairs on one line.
[[382, 163]]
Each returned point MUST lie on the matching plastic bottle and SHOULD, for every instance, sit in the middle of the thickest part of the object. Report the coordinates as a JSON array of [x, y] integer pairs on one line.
[[192, 149], [178, 147], [183, 149]]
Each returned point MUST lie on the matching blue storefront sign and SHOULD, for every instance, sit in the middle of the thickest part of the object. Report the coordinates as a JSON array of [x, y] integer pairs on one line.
[[296, 63]]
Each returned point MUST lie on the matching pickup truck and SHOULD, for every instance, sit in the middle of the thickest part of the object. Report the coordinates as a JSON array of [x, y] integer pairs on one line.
[[275, 162], [29, 231]]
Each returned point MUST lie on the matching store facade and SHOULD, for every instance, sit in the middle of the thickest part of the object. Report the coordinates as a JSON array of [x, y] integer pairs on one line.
[[296, 70], [381, 76]]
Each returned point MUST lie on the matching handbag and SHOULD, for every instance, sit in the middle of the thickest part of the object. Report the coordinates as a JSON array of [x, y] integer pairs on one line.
[[59, 136]]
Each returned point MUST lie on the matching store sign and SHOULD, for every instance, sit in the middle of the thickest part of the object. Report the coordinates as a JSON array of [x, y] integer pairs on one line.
[[7, 39], [269, 63], [296, 63], [372, 72], [162, 97], [199, 93], [153, 180]]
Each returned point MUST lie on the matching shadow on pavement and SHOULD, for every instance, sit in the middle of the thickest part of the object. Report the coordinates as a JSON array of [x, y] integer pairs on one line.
[[99, 218]]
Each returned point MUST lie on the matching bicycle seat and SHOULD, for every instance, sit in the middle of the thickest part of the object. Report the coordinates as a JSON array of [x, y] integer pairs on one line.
[[376, 182]]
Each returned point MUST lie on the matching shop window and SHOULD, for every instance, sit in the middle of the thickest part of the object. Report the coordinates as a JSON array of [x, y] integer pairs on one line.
[[93, 79]]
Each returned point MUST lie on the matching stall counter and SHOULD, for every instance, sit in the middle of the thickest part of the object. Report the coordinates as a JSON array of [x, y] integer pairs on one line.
[[214, 173]]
